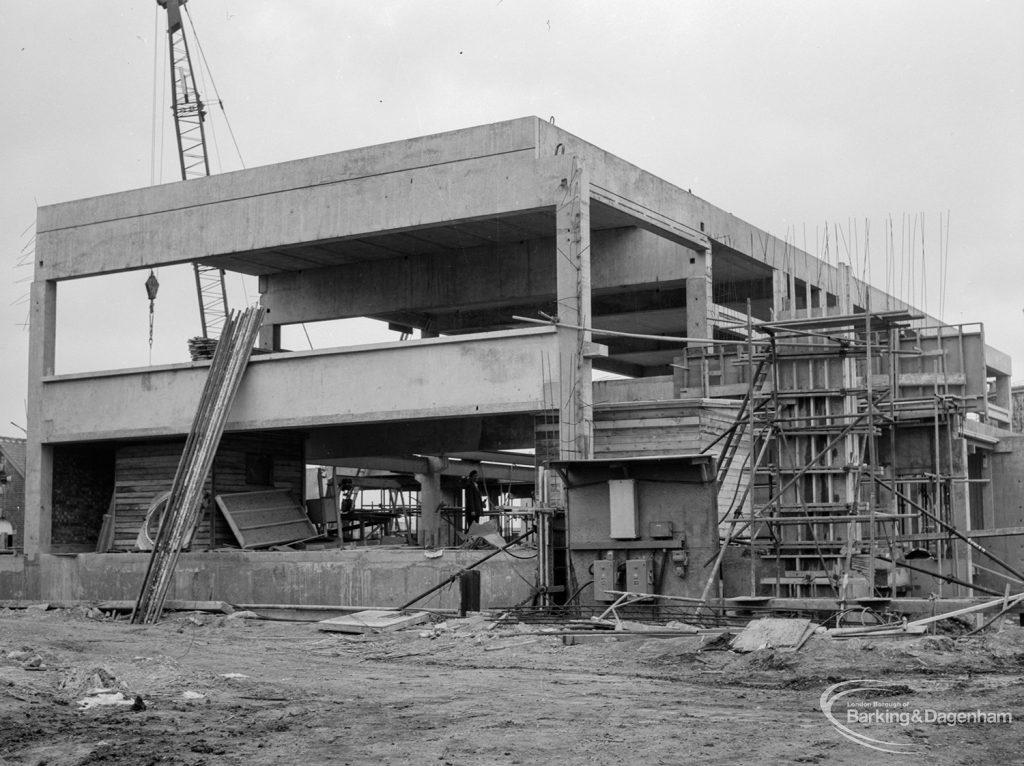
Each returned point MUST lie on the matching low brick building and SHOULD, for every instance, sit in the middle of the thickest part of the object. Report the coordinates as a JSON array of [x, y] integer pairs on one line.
[[12, 489]]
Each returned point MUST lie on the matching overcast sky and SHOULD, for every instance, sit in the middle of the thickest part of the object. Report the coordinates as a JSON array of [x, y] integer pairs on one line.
[[795, 116]]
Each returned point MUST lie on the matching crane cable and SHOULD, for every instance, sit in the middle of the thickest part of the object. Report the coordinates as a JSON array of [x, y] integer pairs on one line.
[[152, 284], [153, 116]]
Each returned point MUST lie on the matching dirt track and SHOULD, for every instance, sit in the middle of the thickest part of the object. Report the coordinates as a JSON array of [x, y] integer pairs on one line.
[[236, 691]]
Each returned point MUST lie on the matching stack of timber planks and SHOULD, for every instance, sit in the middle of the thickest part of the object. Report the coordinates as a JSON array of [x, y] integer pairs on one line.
[[671, 427], [668, 427], [185, 502], [202, 348]]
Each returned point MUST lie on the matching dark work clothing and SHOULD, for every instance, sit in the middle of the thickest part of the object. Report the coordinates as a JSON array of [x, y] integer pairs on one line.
[[474, 504]]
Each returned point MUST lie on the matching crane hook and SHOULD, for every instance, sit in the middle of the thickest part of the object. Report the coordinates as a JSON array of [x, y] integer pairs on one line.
[[152, 286]]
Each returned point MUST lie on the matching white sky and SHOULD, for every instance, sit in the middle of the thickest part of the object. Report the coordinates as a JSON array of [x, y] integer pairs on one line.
[[792, 115]]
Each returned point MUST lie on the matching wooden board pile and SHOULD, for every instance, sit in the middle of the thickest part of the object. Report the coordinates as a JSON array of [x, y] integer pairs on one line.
[[372, 621], [201, 348], [185, 501]]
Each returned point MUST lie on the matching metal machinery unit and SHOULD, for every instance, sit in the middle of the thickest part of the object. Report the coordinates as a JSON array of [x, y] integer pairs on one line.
[[635, 523]]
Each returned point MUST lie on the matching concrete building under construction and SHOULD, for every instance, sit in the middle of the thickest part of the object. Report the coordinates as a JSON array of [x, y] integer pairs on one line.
[[774, 428]]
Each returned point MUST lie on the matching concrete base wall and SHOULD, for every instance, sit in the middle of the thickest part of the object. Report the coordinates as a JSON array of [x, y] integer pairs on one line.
[[363, 577]]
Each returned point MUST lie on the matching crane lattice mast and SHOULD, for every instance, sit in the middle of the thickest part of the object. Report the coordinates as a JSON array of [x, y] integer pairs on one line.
[[189, 117]]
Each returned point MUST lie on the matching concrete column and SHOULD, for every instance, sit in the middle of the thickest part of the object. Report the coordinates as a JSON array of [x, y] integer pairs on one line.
[[430, 500], [699, 303], [572, 284], [845, 289], [270, 334], [962, 565], [780, 295], [269, 338], [39, 456], [1004, 393], [699, 296]]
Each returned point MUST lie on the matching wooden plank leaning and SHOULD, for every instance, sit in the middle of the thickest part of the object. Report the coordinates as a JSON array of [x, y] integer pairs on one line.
[[185, 501]]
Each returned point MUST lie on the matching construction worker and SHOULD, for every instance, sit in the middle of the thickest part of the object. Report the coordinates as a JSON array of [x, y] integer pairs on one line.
[[474, 505]]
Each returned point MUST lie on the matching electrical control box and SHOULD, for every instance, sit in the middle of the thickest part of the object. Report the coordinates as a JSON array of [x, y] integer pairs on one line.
[[660, 530], [639, 576], [605, 580], [680, 561]]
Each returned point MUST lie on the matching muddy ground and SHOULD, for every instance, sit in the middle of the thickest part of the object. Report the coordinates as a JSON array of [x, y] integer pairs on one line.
[[205, 689]]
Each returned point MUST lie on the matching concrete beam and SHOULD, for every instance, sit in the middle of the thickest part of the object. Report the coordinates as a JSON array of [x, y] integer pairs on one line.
[[510, 138], [473, 278], [650, 312], [997, 362], [469, 375], [651, 220], [130, 236], [468, 461], [389, 463], [338, 445]]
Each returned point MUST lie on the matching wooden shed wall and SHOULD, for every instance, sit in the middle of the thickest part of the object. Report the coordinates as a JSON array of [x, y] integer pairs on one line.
[[144, 471]]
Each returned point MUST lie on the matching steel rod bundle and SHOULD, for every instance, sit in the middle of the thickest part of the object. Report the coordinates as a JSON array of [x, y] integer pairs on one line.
[[186, 497]]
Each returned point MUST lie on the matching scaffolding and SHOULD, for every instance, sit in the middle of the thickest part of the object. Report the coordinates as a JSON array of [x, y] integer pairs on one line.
[[847, 455]]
